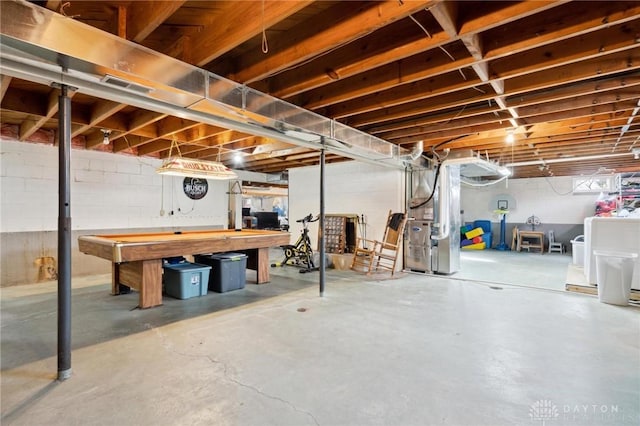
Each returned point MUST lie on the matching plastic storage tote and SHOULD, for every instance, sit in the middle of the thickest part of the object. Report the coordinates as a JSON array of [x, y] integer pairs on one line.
[[577, 250], [228, 270], [186, 280]]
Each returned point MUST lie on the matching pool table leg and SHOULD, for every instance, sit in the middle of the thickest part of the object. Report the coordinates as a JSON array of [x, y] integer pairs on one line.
[[144, 276], [151, 287], [262, 268], [115, 278]]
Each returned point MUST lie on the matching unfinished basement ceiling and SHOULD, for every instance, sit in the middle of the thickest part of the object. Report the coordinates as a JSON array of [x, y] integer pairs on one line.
[[455, 75]]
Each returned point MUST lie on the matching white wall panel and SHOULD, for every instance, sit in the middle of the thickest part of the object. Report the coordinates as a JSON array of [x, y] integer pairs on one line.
[[350, 187], [107, 191], [551, 199]]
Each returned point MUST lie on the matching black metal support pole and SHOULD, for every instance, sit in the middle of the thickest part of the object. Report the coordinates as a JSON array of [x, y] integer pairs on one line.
[[64, 235], [321, 224]]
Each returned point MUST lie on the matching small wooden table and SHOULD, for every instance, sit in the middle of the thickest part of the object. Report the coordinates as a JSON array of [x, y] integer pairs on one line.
[[532, 234]]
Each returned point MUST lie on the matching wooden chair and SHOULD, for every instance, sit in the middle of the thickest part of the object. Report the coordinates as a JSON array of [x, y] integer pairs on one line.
[[554, 245], [374, 255]]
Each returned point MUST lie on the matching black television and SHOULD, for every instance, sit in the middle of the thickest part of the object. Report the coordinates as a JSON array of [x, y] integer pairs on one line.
[[246, 211], [267, 220]]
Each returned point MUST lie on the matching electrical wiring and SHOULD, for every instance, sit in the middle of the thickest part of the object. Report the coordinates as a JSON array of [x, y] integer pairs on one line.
[[546, 178], [441, 47], [308, 60], [433, 191], [144, 163], [177, 203], [265, 43], [420, 25]]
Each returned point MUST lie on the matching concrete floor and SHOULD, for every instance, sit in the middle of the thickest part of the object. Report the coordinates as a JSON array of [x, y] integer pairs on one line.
[[416, 350], [548, 270]]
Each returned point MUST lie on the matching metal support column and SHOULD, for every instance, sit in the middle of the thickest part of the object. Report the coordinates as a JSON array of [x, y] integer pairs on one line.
[[321, 241], [64, 235]]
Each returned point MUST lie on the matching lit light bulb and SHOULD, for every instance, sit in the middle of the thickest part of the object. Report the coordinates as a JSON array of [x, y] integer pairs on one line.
[[510, 138], [105, 136]]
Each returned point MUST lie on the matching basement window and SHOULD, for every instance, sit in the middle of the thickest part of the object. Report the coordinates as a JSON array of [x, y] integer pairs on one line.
[[586, 185]]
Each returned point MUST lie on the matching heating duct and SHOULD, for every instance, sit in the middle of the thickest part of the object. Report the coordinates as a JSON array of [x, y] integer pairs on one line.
[[39, 45]]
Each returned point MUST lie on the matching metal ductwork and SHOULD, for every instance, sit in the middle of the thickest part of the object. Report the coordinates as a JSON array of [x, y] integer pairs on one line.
[[39, 45]]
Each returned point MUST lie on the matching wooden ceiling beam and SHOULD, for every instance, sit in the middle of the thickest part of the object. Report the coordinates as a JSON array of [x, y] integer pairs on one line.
[[339, 25], [99, 112], [533, 143], [571, 108], [491, 112], [240, 22], [29, 127], [154, 147], [460, 100], [446, 13], [604, 85], [171, 126], [5, 81], [574, 50], [143, 17], [359, 56], [415, 91], [53, 4], [625, 61], [576, 147], [138, 120], [488, 126], [212, 146], [453, 126], [415, 68], [617, 39], [610, 97], [387, 45], [619, 62], [572, 145], [555, 25], [25, 102], [617, 108]]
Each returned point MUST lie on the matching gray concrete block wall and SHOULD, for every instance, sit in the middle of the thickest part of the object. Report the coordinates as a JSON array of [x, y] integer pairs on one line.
[[19, 251]]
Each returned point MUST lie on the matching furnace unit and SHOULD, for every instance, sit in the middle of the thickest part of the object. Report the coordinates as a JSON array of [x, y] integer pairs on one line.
[[432, 241]]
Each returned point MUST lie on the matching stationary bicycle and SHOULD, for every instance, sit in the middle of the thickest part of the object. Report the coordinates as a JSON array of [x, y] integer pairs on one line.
[[300, 254]]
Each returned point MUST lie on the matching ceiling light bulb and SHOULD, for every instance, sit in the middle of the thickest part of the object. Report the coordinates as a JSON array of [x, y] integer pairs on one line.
[[105, 136], [510, 138]]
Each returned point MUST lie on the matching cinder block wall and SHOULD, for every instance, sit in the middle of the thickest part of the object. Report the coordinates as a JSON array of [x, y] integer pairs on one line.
[[109, 193], [350, 188]]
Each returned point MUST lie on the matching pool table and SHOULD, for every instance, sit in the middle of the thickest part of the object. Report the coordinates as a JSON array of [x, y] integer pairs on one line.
[[137, 258]]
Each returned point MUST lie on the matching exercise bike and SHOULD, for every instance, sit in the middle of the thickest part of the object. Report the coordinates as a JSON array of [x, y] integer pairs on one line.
[[300, 254]]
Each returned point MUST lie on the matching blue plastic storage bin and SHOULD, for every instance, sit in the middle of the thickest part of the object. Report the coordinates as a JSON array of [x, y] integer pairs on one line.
[[186, 280]]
